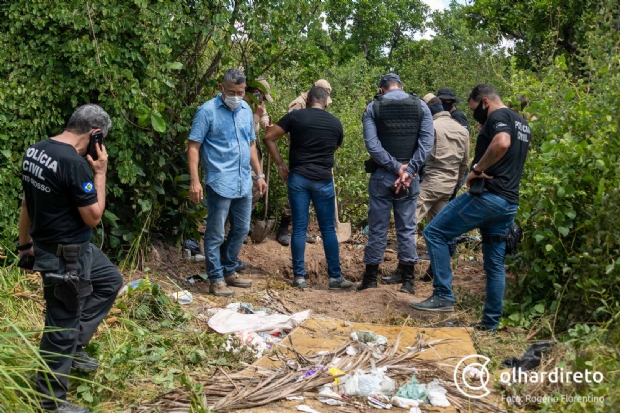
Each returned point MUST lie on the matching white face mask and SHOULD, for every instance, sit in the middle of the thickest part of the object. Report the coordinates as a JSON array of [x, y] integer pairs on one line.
[[232, 101]]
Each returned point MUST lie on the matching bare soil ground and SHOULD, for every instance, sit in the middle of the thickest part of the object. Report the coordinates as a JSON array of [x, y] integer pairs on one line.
[[269, 266]]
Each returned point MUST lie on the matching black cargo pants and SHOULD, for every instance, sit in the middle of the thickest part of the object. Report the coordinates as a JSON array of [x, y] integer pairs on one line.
[[77, 327]]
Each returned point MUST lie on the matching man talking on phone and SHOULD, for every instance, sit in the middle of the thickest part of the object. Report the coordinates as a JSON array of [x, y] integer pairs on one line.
[[63, 201], [490, 205]]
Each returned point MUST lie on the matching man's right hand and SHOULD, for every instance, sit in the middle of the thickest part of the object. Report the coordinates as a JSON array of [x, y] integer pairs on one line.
[[402, 169], [283, 171], [195, 191], [100, 166]]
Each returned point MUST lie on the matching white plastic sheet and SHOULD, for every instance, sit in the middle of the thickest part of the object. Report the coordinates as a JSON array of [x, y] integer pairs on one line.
[[230, 321]]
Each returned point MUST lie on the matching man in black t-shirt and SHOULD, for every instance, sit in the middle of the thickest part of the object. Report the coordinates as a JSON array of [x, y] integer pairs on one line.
[[448, 99], [315, 136], [62, 203], [501, 150]]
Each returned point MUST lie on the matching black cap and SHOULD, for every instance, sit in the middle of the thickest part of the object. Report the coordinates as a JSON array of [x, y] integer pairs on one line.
[[447, 94], [388, 78]]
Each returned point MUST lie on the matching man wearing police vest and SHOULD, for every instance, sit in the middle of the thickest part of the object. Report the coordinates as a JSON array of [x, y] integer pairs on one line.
[[399, 135]]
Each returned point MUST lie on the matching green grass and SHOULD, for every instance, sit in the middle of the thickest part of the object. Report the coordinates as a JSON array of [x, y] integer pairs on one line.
[[151, 346]]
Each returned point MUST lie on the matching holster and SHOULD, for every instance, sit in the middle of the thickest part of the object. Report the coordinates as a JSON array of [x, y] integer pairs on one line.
[[71, 288], [370, 166]]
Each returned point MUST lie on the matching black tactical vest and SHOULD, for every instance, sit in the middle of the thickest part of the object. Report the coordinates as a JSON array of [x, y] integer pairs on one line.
[[398, 125]]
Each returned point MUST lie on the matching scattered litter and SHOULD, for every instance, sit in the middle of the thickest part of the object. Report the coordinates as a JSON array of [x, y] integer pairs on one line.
[[415, 410], [327, 391], [192, 245], [359, 246], [182, 297], [351, 351], [134, 284], [323, 353], [437, 394], [472, 372], [449, 324], [531, 358], [412, 390], [369, 339], [362, 384], [197, 258], [405, 403], [365, 230], [230, 321], [248, 340], [336, 372], [192, 279], [295, 398], [308, 409], [379, 403]]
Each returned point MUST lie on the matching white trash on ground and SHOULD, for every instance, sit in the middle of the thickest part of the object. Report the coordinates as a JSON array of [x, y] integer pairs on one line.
[[327, 391], [133, 284], [437, 394], [307, 409], [371, 340], [182, 297], [375, 382], [230, 321], [405, 403]]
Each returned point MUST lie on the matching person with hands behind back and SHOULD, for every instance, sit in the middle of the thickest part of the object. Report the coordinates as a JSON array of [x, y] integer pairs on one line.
[[315, 136], [62, 203], [490, 205]]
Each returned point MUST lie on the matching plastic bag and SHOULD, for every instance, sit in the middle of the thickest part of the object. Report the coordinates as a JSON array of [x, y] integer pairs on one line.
[[437, 394], [412, 390], [405, 403], [371, 340], [230, 321], [362, 384]]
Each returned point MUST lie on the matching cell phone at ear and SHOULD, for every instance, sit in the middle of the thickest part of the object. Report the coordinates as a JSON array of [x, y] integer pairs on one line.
[[258, 97], [476, 186], [95, 139]]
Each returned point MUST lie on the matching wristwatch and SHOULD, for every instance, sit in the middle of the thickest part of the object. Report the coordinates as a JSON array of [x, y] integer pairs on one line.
[[260, 176], [477, 173]]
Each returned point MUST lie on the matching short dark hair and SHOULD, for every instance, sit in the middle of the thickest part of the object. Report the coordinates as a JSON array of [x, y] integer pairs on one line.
[[391, 83], [317, 94], [88, 117], [434, 101], [483, 91], [234, 76]]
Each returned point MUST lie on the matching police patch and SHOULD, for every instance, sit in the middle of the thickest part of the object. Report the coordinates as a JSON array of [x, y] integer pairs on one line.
[[88, 187]]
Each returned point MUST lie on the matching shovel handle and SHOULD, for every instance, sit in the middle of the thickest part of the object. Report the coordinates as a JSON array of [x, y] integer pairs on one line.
[[267, 179]]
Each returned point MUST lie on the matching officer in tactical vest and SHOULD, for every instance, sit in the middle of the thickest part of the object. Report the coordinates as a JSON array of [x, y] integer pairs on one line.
[[399, 135], [62, 203]]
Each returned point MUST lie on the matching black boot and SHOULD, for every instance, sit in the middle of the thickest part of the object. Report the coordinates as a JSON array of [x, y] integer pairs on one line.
[[428, 275], [395, 277], [370, 277], [282, 235], [408, 272]]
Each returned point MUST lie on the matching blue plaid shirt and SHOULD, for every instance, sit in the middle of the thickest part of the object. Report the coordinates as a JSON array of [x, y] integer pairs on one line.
[[225, 137]]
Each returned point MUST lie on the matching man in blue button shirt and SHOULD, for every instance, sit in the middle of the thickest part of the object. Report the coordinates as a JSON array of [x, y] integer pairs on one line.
[[223, 134]]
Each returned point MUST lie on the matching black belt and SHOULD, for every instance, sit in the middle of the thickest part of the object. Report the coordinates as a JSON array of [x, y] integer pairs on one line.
[[57, 249]]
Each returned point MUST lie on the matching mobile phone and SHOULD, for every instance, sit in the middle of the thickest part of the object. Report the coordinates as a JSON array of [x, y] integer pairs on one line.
[[26, 262], [476, 186], [95, 139], [258, 96]]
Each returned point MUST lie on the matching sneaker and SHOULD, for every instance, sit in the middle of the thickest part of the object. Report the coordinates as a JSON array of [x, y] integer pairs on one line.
[[233, 280], [310, 239], [66, 407], [219, 289], [481, 327], [240, 266], [299, 282], [83, 362], [337, 283], [434, 303]]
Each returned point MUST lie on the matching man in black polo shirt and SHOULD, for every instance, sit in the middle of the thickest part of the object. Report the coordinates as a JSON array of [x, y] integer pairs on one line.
[[448, 99], [315, 136], [501, 150], [62, 203]]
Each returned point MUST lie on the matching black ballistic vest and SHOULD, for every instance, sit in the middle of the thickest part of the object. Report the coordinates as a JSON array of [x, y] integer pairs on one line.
[[398, 125]]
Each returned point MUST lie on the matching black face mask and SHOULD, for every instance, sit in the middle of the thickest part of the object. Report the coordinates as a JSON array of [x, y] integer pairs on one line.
[[447, 106], [481, 114], [436, 109]]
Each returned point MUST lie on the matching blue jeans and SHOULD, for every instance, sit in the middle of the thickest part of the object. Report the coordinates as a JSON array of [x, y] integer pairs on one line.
[[381, 202], [221, 256], [493, 215], [300, 192]]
